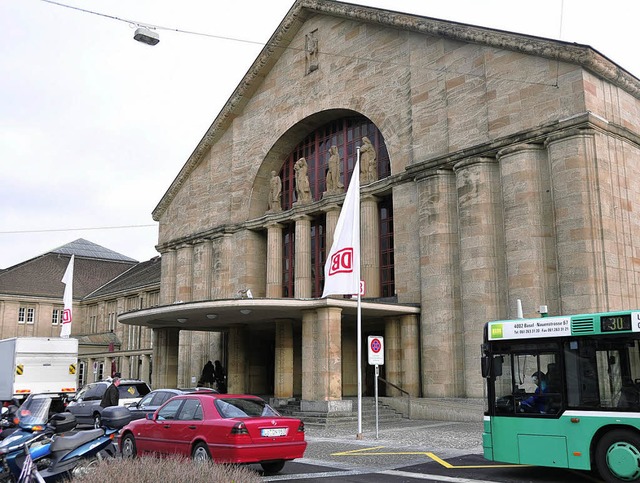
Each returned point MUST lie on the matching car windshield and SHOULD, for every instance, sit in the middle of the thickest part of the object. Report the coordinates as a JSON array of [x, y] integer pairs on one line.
[[244, 408]]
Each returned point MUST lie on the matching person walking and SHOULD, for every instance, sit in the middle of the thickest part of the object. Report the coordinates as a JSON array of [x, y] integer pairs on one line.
[[111, 396]]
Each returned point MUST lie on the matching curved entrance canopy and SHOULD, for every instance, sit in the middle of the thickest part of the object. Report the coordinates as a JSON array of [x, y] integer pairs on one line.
[[221, 314]]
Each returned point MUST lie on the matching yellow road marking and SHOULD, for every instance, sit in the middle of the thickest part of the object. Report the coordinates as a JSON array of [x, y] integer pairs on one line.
[[374, 451]]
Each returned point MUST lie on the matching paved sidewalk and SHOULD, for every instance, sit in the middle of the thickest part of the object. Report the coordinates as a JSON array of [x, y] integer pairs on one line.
[[422, 435]]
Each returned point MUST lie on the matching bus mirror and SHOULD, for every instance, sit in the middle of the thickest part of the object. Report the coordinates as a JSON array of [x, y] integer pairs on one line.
[[492, 366], [497, 366], [486, 361]]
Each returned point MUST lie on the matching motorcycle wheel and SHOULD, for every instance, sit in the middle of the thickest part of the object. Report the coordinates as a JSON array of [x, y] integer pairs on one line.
[[84, 467]]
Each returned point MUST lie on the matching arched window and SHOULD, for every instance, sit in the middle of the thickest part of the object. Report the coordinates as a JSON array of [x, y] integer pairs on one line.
[[346, 134]]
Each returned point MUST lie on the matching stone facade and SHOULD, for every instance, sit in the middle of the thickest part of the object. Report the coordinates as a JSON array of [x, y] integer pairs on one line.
[[514, 175]]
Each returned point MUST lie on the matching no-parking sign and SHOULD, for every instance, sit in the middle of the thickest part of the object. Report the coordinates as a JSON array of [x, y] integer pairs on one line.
[[376, 350]]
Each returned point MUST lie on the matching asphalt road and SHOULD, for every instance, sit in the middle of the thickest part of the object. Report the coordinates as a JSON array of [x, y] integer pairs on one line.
[[411, 451]]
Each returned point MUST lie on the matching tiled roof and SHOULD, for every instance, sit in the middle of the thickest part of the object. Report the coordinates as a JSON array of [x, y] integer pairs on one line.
[[140, 275], [85, 248], [42, 276]]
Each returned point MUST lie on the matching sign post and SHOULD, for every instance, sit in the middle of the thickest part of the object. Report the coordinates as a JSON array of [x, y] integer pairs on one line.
[[376, 358]]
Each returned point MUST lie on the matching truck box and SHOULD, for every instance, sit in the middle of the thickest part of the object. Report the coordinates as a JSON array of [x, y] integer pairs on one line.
[[35, 365]]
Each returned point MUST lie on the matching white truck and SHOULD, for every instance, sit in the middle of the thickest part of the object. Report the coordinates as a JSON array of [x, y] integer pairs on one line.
[[37, 365]]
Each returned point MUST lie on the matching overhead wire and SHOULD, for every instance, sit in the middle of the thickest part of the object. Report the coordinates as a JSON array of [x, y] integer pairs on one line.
[[442, 70], [49, 230]]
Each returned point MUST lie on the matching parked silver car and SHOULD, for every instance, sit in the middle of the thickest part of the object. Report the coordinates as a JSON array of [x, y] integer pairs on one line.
[[85, 406]]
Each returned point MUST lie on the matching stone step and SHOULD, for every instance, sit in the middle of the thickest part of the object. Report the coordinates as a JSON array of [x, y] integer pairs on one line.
[[323, 419]]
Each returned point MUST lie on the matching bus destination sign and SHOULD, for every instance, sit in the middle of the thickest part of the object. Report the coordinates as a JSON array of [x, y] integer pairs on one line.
[[530, 328]]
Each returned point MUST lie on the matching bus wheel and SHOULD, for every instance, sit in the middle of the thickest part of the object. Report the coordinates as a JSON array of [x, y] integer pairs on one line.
[[618, 456]]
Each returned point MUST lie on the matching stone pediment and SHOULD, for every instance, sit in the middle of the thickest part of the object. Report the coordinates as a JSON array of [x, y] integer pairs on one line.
[[303, 10]]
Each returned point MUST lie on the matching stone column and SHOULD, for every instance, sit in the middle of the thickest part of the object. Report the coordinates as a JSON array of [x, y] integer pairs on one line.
[[202, 256], [184, 273], [331, 220], [237, 367], [370, 245], [168, 277], [165, 357], [392, 356], [441, 330], [528, 229], [274, 260], [221, 286], [89, 375], [302, 260], [309, 355], [329, 347], [350, 361], [145, 369], [579, 217], [125, 367], [283, 377], [409, 337], [481, 258]]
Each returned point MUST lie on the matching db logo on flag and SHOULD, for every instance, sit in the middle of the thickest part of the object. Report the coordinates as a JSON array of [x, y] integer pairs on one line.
[[66, 316], [342, 261]]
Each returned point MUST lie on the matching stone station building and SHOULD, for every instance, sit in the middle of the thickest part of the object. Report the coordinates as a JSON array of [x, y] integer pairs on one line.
[[507, 167]]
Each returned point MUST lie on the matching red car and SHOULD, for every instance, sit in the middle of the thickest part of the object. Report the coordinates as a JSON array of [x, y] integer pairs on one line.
[[228, 428]]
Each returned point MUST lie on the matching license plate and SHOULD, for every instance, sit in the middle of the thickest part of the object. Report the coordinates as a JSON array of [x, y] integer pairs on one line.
[[269, 432]]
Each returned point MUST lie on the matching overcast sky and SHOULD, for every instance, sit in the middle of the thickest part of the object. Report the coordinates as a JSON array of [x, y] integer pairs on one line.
[[95, 126]]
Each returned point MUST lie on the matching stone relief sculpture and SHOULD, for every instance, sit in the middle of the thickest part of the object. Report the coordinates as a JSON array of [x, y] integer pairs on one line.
[[334, 185], [275, 192], [311, 52], [368, 162], [303, 190]]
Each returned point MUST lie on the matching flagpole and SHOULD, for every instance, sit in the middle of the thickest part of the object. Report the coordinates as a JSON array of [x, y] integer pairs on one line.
[[359, 322]]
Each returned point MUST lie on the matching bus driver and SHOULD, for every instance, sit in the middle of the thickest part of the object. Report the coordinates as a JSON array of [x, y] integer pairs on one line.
[[537, 402]]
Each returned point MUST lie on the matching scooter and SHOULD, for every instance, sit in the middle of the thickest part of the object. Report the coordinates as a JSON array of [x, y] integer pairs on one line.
[[63, 456]]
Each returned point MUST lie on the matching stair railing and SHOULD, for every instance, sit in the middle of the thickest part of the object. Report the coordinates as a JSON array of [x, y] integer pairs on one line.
[[404, 393]]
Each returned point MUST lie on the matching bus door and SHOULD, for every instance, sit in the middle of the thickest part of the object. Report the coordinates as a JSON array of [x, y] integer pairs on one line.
[[528, 400]]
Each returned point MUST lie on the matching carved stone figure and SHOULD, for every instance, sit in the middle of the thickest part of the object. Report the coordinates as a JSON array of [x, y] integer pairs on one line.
[[334, 185], [368, 162], [275, 191], [311, 51], [303, 190]]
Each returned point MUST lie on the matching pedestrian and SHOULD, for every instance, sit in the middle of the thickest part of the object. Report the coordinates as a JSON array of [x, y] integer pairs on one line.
[[207, 376], [220, 377], [111, 396]]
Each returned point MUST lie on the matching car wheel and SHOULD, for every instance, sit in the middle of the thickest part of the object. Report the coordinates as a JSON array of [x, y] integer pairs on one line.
[[272, 467], [618, 456], [128, 446], [201, 452], [97, 421]]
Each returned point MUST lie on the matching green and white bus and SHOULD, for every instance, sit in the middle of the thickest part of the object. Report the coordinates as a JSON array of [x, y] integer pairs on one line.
[[585, 411]]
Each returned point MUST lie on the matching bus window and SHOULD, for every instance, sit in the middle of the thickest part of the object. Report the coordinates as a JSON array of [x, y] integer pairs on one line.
[[603, 374], [529, 384]]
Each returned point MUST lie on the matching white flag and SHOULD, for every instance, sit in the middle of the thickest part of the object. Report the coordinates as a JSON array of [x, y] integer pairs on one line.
[[342, 268], [67, 315]]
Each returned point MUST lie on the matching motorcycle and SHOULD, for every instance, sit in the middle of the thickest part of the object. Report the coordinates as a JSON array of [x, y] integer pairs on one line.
[[58, 456]]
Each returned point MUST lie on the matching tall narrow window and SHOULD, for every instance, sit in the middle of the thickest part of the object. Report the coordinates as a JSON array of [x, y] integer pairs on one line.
[[31, 313], [288, 255], [387, 262], [318, 253]]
